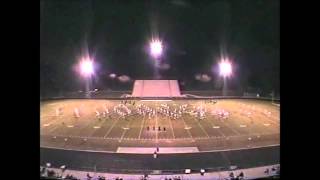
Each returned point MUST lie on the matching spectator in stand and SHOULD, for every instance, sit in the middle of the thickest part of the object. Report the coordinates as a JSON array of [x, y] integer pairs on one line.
[[50, 173], [231, 175], [241, 175], [101, 178], [43, 170], [88, 176]]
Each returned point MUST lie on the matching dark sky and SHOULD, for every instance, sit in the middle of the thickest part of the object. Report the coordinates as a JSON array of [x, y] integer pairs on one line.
[[195, 34]]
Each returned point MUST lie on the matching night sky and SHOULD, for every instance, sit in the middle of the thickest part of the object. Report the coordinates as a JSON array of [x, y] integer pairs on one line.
[[195, 35]]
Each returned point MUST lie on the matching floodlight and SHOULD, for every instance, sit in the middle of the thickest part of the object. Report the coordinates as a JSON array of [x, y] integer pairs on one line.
[[156, 48], [112, 75], [86, 67], [225, 68]]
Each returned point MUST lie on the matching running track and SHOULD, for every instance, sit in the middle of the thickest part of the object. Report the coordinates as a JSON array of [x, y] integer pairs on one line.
[[119, 163]]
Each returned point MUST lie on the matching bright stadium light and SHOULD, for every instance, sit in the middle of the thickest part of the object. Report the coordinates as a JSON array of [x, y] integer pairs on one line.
[[155, 51], [86, 67], [225, 68], [156, 48]]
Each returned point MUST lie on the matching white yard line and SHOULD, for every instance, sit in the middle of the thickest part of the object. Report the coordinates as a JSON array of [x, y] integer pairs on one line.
[[142, 125], [235, 131], [275, 122], [99, 125], [185, 124], [109, 130], [125, 130], [219, 131], [54, 128], [45, 120], [123, 133], [201, 127], [170, 122], [156, 128], [54, 124], [88, 125]]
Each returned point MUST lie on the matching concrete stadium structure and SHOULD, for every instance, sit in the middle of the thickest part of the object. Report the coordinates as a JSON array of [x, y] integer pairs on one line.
[[156, 88]]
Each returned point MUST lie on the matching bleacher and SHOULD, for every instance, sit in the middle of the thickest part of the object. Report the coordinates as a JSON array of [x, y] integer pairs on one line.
[[265, 172]]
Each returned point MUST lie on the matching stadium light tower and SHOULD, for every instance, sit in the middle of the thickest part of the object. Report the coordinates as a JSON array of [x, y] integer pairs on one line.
[[225, 68], [87, 70], [156, 50]]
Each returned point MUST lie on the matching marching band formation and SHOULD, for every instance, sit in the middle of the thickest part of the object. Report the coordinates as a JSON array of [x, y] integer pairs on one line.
[[124, 110], [172, 111]]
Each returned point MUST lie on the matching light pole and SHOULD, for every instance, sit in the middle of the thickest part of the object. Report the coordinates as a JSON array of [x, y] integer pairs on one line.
[[225, 68], [87, 70], [156, 49]]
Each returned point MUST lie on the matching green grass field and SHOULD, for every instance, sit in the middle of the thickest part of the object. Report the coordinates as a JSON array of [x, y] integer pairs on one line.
[[262, 127]]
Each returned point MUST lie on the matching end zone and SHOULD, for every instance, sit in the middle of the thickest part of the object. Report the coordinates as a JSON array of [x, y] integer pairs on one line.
[[162, 150]]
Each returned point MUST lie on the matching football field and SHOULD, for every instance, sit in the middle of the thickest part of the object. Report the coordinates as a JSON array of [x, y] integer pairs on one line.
[[105, 125]]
